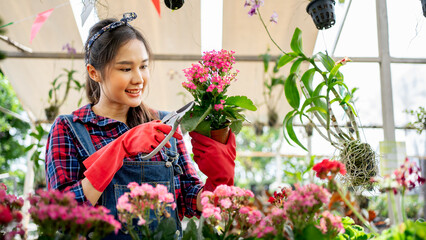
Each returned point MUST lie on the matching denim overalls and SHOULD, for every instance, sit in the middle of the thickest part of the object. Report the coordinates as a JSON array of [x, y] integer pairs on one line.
[[152, 172]]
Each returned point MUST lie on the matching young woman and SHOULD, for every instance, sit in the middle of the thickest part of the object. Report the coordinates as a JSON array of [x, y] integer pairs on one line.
[[96, 151]]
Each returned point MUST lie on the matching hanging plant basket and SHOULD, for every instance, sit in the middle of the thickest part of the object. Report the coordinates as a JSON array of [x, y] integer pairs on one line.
[[322, 12], [423, 7]]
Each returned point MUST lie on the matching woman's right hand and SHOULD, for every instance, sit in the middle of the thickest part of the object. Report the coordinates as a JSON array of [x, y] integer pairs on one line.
[[146, 137], [104, 163]]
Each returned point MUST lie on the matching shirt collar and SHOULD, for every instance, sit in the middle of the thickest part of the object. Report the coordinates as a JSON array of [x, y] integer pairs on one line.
[[85, 114]]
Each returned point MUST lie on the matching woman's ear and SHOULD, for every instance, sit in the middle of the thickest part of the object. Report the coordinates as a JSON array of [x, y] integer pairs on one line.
[[93, 73]]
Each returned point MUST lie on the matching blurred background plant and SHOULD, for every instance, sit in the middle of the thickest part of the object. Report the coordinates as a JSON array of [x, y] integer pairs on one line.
[[55, 99], [272, 79], [13, 132], [419, 116]]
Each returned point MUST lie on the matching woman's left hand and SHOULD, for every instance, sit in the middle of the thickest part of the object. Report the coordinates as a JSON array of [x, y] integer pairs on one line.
[[214, 159]]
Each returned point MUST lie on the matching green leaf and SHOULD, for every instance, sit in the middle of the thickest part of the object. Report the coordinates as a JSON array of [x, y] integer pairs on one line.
[[277, 81], [309, 101], [307, 79], [50, 93], [296, 41], [286, 118], [318, 109], [204, 128], [29, 147], [326, 60], [241, 101], [291, 91], [345, 99], [166, 229], [311, 232], [292, 134], [266, 58], [286, 59], [77, 83], [190, 233], [334, 71], [236, 126], [192, 118], [296, 65]]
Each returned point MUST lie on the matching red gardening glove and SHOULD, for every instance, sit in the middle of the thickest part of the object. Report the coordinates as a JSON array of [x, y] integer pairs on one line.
[[214, 159], [104, 163]]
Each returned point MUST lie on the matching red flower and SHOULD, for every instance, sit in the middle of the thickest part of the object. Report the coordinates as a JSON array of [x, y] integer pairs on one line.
[[5, 215], [326, 166]]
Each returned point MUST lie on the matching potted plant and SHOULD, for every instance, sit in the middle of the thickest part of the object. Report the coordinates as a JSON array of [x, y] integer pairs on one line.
[[55, 101], [214, 112], [322, 13]]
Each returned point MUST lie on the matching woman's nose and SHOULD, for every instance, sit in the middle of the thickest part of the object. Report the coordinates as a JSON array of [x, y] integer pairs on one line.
[[138, 77]]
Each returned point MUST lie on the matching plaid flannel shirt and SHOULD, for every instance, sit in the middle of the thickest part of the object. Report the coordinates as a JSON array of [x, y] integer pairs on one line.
[[64, 167]]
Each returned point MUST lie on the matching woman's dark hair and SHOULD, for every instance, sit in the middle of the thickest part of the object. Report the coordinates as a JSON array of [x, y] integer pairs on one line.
[[102, 52]]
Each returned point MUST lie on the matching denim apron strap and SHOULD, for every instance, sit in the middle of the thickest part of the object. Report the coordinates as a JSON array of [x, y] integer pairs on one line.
[[82, 135]]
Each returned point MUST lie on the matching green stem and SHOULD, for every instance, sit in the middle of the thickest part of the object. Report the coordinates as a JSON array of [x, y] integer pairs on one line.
[[404, 215], [228, 225], [360, 217], [395, 212], [267, 31]]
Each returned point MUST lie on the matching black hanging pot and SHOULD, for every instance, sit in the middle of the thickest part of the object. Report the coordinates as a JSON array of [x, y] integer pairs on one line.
[[322, 12], [174, 4], [423, 7]]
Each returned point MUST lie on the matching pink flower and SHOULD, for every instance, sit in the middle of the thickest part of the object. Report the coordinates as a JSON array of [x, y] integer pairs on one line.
[[330, 223], [141, 221], [274, 17], [226, 203], [408, 175]]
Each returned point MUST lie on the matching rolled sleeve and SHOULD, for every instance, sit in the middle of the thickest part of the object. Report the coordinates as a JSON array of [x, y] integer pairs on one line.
[[190, 184]]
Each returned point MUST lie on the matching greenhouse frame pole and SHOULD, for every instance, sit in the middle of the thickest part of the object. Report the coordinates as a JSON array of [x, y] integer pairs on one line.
[[386, 90]]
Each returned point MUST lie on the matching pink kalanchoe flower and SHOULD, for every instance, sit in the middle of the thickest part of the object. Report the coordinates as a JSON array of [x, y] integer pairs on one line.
[[274, 17], [330, 223]]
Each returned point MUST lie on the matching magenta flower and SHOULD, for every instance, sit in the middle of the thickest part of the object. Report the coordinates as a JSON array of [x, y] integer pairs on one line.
[[408, 175], [274, 17], [254, 5], [69, 49]]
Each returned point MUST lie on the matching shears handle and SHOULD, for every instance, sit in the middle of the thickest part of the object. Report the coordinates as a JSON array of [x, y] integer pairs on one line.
[[161, 145]]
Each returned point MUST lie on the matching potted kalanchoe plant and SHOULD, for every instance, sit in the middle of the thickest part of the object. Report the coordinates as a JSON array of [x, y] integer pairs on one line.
[[59, 216], [322, 100], [208, 81]]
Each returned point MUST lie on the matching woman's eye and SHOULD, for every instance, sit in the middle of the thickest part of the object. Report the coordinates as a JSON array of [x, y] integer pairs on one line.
[[144, 66], [126, 69]]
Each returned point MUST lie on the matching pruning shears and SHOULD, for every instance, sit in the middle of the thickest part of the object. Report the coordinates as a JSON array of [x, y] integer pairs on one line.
[[172, 119]]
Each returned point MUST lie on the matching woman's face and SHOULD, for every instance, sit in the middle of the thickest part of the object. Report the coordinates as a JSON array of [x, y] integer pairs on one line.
[[126, 76]]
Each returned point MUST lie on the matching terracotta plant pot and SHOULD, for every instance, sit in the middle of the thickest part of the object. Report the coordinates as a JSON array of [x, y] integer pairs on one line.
[[322, 12], [220, 135]]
